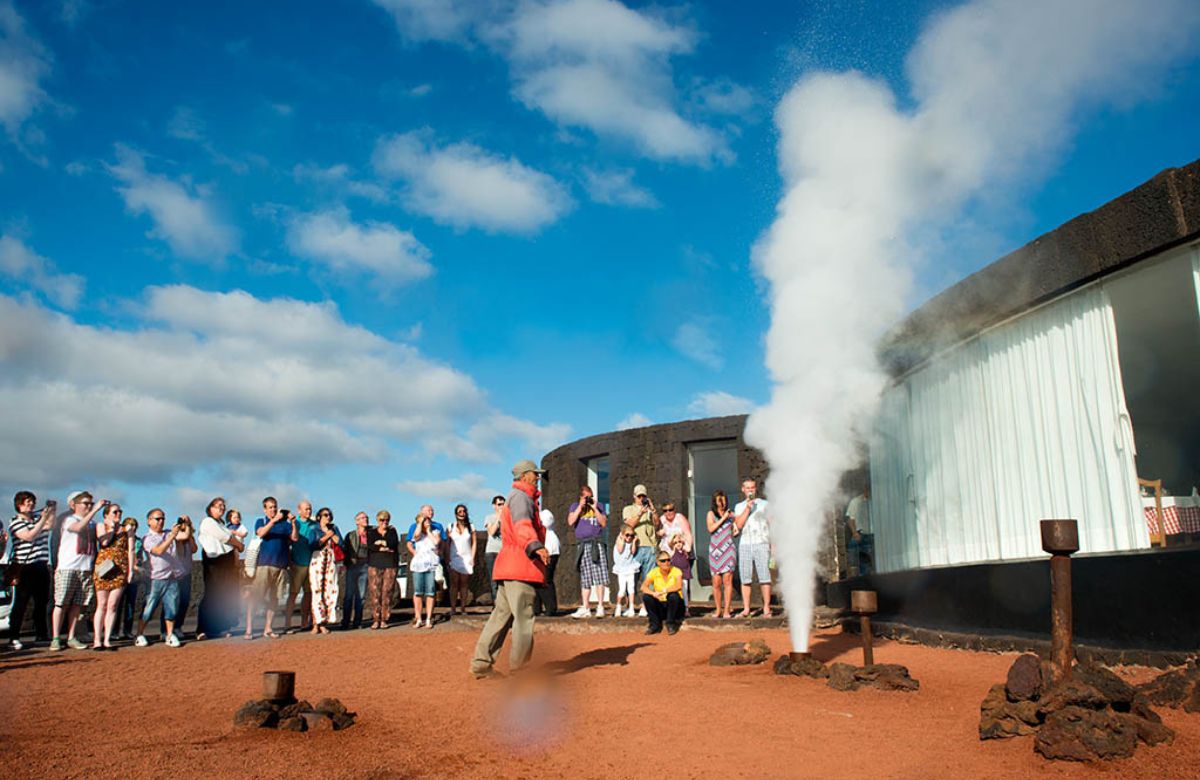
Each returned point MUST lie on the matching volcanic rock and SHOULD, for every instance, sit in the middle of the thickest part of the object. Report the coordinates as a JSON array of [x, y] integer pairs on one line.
[[1150, 732], [887, 677], [317, 721], [1113, 689], [1024, 680], [1175, 688], [1000, 718], [256, 714], [294, 710], [331, 707], [740, 653], [1072, 693], [295, 723], [1081, 734], [802, 667], [345, 720]]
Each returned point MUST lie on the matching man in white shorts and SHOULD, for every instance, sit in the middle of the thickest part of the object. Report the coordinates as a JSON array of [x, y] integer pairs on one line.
[[754, 545]]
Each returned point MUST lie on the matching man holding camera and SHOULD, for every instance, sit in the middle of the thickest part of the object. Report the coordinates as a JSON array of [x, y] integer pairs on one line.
[[181, 570], [160, 547], [588, 520], [305, 533], [641, 517], [277, 531]]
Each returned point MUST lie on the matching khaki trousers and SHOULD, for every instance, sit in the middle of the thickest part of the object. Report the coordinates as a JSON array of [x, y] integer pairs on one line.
[[514, 608]]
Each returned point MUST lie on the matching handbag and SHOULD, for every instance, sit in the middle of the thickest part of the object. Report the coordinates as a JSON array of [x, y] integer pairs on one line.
[[250, 561], [107, 569], [339, 554]]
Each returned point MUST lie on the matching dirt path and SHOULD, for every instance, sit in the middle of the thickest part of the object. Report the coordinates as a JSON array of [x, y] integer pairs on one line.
[[610, 705]]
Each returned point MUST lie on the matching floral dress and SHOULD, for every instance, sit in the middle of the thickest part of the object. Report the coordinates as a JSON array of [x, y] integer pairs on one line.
[[323, 578], [116, 551]]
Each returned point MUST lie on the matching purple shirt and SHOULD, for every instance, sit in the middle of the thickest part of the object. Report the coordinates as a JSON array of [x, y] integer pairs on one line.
[[586, 527]]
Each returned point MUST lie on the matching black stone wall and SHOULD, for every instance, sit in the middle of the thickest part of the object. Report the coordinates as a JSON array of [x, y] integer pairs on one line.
[[655, 456]]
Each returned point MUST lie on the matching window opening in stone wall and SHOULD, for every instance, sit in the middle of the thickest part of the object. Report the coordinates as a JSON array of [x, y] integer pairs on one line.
[[712, 465], [597, 469]]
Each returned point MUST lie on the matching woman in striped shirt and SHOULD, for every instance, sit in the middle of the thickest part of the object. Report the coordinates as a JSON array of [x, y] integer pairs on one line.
[[30, 566]]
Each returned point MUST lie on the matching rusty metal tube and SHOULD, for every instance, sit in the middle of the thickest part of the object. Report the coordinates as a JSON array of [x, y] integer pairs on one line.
[[1061, 626], [1060, 538], [864, 624]]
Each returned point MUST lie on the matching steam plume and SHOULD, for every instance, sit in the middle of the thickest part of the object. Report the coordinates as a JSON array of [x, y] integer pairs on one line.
[[994, 87]]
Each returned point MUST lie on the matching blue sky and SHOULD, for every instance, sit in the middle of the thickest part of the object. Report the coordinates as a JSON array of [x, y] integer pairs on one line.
[[371, 253]]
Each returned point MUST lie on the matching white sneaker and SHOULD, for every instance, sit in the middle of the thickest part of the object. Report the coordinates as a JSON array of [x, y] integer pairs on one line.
[[582, 612], [631, 612], [141, 641], [643, 613], [599, 610], [173, 641], [16, 645]]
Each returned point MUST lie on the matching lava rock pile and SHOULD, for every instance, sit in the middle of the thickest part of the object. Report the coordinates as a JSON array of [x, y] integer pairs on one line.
[[740, 653], [327, 715], [1092, 715], [1177, 689], [845, 677]]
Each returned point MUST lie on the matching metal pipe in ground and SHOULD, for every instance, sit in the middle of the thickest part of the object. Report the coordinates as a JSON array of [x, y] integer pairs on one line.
[[865, 603], [1060, 538]]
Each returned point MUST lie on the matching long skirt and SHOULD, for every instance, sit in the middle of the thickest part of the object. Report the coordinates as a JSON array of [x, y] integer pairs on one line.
[[379, 593], [220, 607], [323, 583]]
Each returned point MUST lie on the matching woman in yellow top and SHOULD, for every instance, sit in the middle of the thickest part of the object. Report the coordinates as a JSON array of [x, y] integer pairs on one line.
[[662, 596]]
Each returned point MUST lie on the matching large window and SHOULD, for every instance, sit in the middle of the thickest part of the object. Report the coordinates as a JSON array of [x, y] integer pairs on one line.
[[712, 465], [597, 469]]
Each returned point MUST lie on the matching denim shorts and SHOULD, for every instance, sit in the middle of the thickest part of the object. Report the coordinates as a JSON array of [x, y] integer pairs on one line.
[[166, 592], [423, 584]]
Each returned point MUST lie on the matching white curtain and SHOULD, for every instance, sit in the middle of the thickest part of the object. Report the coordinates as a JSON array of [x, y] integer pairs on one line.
[[1196, 274], [1025, 422]]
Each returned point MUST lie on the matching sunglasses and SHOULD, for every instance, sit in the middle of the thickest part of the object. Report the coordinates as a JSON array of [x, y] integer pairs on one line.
[[160, 517], [324, 514], [664, 560]]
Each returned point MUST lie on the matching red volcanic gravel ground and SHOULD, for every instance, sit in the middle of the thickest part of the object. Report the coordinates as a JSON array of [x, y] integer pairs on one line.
[[611, 704]]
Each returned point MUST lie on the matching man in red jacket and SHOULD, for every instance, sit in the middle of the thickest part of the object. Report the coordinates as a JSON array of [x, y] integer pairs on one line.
[[520, 570]]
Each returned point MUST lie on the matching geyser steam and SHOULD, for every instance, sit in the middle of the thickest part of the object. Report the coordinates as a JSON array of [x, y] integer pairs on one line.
[[869, 186]]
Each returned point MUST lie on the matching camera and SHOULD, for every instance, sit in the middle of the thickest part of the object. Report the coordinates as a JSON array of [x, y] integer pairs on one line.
[[587, 501]]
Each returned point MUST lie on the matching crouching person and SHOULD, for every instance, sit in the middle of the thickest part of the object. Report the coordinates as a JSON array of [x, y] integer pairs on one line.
[[662, 596], [164, 585]]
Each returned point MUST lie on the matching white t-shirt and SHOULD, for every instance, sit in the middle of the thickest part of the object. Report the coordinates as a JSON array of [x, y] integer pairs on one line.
[[553, 546], [625, 562], [460, 550], [425, 554], [68, 542], [214, 537], [756, 530], [859, 511]]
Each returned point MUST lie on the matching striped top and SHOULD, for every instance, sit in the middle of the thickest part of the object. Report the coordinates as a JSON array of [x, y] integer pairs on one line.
[[35, 551]]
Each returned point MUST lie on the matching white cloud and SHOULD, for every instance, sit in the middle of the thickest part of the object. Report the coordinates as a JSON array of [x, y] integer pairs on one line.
[[468, 487], [28, 268], [723, 96], [421, 90], [634, 420], [617, 188], [183, 216], [220, 380], [592, 64], [483, 440], [719, 404], [603, 66], [435, 20], [465, 186], [341, 178], [23, 64], [392, 256], [694, 341]]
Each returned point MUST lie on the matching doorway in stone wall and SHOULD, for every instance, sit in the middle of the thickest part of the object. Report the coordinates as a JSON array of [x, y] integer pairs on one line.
[[712, 465]]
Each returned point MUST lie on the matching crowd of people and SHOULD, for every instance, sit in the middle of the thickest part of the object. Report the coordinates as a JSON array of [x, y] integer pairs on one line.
[[90, 556]]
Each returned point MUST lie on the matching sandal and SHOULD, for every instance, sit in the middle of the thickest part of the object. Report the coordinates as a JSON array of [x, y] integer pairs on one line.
[[248, 636], [270, 635]]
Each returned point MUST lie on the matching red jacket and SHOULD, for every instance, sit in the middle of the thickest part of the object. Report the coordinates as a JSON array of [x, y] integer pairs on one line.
[[522, 535]]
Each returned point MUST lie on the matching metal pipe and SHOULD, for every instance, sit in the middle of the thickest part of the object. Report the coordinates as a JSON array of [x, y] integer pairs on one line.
[[865, 603], [1060, 538]]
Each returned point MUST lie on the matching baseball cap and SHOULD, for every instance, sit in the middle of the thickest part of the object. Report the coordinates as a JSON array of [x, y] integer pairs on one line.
[[526, 465], [639, 490]]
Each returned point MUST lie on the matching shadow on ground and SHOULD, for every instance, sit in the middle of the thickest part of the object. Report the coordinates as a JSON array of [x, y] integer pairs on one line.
[[603, 656]]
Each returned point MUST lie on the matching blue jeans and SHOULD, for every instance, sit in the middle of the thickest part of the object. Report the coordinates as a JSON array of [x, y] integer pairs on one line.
[[356, 592], [184, 584], [165, 592], [128, 605], [423, 583], [645, 558], [862, 553]]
